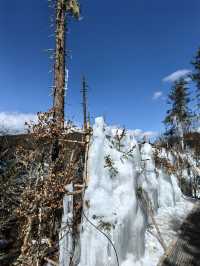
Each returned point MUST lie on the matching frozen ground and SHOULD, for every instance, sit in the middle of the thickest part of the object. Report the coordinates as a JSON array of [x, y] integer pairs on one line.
[[169, 220]]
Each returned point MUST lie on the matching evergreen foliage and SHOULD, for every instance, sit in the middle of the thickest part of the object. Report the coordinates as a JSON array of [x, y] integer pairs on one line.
[[196, 79], [179, 114]]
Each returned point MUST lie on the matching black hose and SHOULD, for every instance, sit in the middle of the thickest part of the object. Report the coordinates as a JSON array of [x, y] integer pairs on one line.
[[104, 235]]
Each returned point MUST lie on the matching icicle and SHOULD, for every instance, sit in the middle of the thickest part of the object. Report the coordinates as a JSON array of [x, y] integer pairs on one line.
[[65, 237], [109, 252]]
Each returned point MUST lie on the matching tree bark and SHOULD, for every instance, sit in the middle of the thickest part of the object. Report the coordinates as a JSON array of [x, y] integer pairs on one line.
[[84, 91], [59, 67]]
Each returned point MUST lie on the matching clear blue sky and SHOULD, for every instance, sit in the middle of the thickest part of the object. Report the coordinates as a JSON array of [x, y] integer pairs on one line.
[[125, 49]]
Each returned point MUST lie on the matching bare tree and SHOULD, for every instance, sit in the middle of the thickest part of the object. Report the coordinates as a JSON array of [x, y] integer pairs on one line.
[[84, 103], [63, 9]]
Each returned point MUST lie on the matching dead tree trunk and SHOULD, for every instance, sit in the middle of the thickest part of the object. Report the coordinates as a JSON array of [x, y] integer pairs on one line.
[[59, 74], [59, 67], [63, 8], [84, 92]]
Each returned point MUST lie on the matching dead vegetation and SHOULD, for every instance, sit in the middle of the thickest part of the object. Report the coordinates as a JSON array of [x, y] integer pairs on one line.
[[34, 204], [164, 163]]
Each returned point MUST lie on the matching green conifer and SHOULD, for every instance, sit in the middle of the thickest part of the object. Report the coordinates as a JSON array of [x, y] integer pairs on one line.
[[179, 114], [196, 79]]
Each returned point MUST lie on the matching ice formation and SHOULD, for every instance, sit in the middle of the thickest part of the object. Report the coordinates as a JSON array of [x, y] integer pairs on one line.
[[116, 227]]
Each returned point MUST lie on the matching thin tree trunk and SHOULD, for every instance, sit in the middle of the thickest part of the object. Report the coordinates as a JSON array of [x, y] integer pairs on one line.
[[59, 68], [84, 91]]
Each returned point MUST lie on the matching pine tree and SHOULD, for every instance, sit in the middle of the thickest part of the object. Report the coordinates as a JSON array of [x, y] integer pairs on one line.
[[178, 117], [196, 79]]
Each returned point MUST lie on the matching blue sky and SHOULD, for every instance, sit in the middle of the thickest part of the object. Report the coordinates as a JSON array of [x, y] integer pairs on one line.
[[124, 49]]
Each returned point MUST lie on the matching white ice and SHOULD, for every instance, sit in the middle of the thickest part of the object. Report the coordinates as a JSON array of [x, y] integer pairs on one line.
[[112, 207]]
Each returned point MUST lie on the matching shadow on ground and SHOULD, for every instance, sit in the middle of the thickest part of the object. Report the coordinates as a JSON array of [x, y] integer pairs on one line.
[[186, 251]]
